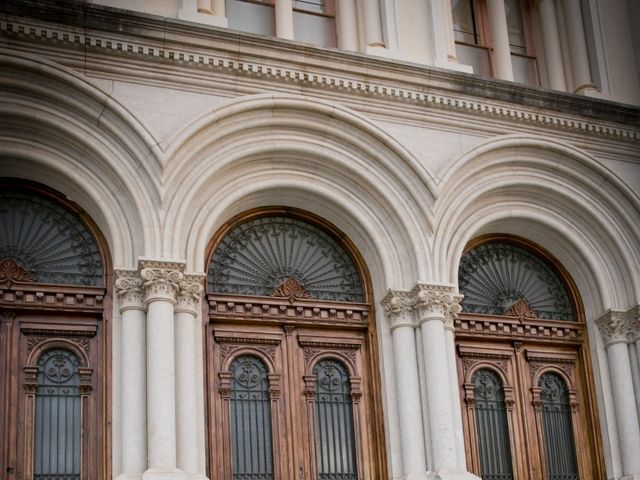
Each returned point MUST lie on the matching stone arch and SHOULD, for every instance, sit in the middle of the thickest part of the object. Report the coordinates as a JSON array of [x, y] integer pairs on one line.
[[282, 150], [550, 193], [62, 131]]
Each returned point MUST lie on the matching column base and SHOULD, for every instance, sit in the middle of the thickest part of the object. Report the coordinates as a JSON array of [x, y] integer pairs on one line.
[[452, 474], [164, 474]]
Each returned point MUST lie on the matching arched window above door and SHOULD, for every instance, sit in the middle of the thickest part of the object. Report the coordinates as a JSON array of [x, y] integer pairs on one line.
[[284, 257], [505, 278], [43, 242]]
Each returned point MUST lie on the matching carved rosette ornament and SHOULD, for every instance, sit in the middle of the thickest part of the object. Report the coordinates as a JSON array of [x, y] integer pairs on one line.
[[521, 309], [292, 290], [398, 308], [161, 280], [128, 287], [190, 293], [614, 327], [437, 301], [11, 272]]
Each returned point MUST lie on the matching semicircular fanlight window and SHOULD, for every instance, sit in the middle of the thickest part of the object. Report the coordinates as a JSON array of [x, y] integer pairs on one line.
[[501, 278], [282, 256], [41, 241]]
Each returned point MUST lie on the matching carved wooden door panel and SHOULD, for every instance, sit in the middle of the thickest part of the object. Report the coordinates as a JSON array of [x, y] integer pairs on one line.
[[51, 368], [543, 425], [310, 423]]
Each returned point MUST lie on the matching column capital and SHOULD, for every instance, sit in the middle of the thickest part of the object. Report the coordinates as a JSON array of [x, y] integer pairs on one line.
[[128, 288], [190, 292], [436, 302], [633, 323], [161, 279], [398, 308], [614, 327]]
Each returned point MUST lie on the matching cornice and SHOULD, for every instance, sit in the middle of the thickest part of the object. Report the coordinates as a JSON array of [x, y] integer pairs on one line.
[[271, 63]]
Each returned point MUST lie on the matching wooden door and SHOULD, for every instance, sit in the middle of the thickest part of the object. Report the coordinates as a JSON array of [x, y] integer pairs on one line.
[[297, 358]]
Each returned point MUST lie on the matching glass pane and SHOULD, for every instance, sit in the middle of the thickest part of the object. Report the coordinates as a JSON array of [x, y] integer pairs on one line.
[[251, 17], [314, 29], [464, 25], [476, 57], [47, 241], [261, 256], [57, 417], [491, 423], [558, 428], [524, 70], [496, 276], [334, 416], [315, 6], [515, 27], [250, 412]]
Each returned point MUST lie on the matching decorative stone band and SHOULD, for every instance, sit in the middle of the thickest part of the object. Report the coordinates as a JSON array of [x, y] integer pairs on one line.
[[190, 293], [424, 302], [161, 279], [437, 302], [617, 326], [128, 287], [398, 308]]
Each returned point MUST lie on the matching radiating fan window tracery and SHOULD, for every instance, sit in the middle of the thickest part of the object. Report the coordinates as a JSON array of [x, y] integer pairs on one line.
[[260, 256], [496, 276], [41, 241]]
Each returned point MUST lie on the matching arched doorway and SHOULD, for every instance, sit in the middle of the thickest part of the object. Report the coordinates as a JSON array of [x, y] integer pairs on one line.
[[54, 311], [524, 366], [292, 375]]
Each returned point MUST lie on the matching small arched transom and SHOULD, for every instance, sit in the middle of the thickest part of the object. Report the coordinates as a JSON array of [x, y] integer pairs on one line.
[[284, 257], [41, 241], [503, 278]]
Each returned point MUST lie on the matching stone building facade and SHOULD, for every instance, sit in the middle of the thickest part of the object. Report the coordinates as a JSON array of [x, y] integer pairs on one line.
[[356, 239]]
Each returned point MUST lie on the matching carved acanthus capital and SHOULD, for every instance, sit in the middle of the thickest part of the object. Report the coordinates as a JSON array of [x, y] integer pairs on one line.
[[437, 301], [614, 327], [633, 321], [128, 287], [398, 308], [161, 279], [190, 293]]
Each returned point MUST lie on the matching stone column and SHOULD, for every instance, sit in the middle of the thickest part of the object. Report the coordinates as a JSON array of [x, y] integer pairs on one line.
[[161, 283], [434, 304], [347, 25], [633, 321], [284, 19], [502, 67], [398, 309], [128, 287], [552, 49], [448, 25], [577, 47], [456, 408], [186, 325], [614, 328], [370, 13]]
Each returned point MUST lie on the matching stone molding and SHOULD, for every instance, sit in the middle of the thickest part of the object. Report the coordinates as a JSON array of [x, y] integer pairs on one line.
[[619, 326], [487, 98], [161, 279], [129, 289], [190, 293], [424, 302]]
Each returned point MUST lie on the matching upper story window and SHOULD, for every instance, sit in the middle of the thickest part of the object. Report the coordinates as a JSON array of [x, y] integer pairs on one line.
[[253, 16], [314, 22], [475, 35]]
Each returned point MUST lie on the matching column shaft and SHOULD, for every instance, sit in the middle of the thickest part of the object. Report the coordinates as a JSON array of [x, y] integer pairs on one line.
[[456, 408], [372, 23], [161, 385], [204, 6], [578, 46], [552, 48], [284, 19], [134, 409], [626, 413], [502, 67], [437, 381], [407, 383], [347, 25], [219, 8]]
